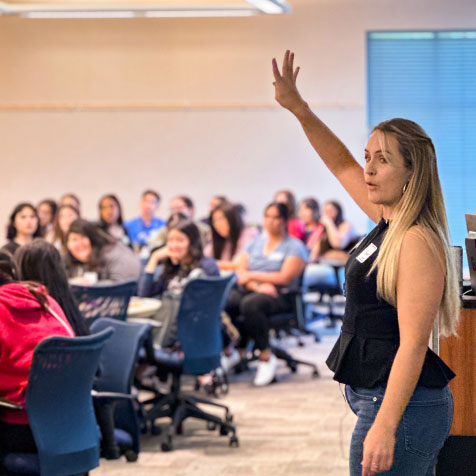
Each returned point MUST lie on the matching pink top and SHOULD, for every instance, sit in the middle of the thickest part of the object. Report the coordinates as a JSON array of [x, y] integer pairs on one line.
[[296, 228]]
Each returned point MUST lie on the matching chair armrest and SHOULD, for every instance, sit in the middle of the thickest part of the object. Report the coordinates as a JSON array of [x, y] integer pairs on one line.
[[5, 403], [144, 320], [111, 395]]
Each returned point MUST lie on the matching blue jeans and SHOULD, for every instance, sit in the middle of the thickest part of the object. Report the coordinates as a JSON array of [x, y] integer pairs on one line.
[[421, 433]]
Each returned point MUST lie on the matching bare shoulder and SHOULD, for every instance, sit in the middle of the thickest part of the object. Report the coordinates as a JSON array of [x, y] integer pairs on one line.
[[421, 245]]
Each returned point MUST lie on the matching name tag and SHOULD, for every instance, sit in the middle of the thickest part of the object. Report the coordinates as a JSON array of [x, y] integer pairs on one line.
[[367, 253], [276, 256]]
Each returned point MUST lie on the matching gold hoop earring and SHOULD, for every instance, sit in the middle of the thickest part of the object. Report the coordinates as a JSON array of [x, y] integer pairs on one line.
[[404, 188]]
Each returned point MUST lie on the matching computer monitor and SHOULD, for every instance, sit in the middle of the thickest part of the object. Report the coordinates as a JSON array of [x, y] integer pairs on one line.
[[471, 224]]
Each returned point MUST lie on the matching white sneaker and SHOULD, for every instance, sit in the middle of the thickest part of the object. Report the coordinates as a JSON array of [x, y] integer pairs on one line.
[[229, 361], [266, 371]]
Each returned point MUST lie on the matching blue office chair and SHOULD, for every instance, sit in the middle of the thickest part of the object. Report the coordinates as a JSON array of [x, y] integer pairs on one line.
[[104, 300], [59, 407], [113, 385], [199, 334]]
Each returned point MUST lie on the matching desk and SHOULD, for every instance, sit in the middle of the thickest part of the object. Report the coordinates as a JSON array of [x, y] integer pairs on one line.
[[458, 456], [142, 308]]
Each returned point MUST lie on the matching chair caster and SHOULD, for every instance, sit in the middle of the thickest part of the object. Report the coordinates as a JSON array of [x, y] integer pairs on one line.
[[155, 430], [167, 445], [234, 442], [179, 430], [223, 430], [131, 456], [300, 343], [315, 374], [317, 338], [293, 367], [211, 426], [229, 418]]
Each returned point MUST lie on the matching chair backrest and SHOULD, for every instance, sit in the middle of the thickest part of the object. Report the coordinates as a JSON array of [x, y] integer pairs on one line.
[[199, 322], [117, 368], [104, 300], [59, 404]]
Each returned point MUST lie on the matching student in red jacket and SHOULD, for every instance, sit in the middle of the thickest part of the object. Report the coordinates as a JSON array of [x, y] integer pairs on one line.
[[27, 316]]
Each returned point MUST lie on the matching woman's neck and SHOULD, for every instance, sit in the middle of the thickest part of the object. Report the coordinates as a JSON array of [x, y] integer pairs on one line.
[[22, 239]]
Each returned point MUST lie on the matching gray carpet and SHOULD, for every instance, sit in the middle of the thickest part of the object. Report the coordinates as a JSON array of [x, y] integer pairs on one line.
[[298, 426]]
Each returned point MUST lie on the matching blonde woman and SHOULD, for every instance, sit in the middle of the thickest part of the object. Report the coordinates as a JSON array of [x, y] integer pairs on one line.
[[399, 279]]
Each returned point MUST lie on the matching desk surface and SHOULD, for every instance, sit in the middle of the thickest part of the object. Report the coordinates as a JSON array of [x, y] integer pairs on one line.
[[142, 307]]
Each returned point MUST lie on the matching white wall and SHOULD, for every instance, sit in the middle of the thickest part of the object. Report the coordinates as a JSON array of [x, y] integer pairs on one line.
[[186, 106]]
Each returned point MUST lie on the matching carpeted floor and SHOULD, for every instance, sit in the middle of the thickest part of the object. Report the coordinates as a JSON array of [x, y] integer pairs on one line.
[[298, 426]]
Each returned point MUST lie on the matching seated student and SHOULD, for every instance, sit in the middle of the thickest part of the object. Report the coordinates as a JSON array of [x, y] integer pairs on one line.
[[91, 250], [272, 261], [184, 205], [46, 210], [110, 218], [229, 236], [40, 261], [140, 228], [182, 260], [72, 200], [65, 215], [23, 226], [295, 226], [29, 315], [309, 215], [215, 201], [336, 237]]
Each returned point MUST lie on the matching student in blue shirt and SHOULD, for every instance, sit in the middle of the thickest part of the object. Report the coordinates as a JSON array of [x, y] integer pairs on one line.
[[272, 261], [139, 228]]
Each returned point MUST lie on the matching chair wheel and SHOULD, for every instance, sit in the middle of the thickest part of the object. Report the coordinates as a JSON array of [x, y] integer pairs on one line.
[[179, 429], [293, 368], [315, 374], [234, 442], [223, 430], [229, 417], [212, 426], [131, 456], [317, 338], [167, 445], [300, 343]]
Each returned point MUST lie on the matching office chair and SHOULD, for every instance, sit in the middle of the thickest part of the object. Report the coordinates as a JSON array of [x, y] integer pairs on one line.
[[60, 409], [113, 385], [199, 335], [104, 300]]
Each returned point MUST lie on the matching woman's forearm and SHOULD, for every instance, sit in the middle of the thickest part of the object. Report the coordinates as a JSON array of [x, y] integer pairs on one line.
[[406, 370], [275, 277], [329, 147]]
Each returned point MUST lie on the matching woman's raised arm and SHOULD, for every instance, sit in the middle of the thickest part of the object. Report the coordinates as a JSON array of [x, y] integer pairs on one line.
[[332, 151]]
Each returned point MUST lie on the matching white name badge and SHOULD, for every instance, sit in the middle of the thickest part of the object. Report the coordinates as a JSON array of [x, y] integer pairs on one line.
[[276, 256], [367, 253]]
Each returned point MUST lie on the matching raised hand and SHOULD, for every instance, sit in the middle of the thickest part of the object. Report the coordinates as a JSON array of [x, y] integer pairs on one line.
[[286, 92]]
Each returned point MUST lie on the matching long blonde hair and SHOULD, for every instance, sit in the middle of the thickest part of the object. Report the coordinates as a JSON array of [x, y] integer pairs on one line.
[[421, 204]]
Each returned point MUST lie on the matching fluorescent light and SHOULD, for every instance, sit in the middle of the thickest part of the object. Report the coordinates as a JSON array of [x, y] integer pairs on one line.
[[198, 13], [270, 6], [78, 14]]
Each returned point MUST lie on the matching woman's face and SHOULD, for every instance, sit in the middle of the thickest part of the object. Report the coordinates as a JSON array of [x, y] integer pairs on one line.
[[45, 214], [330, 211], [178, 245], [306, 215], [385, 176], [109, 211], [273, 222], [26, 222], [220, 223], [66, 216], [79, 246]]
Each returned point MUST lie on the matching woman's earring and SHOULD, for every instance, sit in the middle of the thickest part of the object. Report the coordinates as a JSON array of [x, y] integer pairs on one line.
[[404, 188]]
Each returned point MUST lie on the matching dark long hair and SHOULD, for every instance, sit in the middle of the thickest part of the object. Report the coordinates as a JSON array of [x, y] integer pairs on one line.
[[11, 230], [58, 233], [40, 261], [195, 251], [98, 238], [9, 274], [340, 214], [290, 202], [53, 207], [313, 205], [233, 217], [112, 197]]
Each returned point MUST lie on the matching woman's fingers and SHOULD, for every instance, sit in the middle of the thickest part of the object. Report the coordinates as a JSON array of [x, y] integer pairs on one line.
[[296, 74], [277, 74]]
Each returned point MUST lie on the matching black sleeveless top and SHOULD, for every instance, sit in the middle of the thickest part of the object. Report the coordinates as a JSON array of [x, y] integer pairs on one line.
[[364, 353]]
